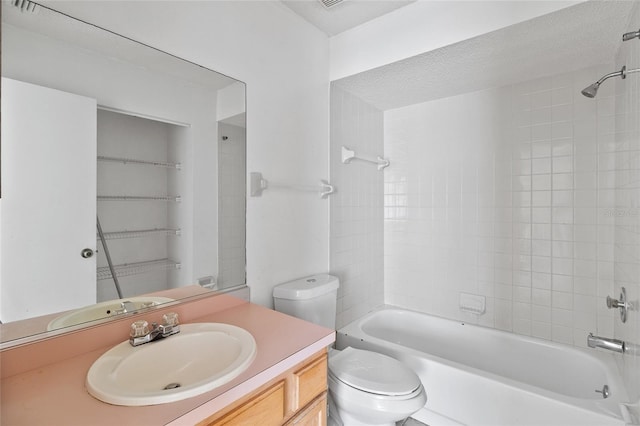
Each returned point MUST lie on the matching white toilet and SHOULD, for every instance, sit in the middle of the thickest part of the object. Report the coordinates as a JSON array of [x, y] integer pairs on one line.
[[366, 387]]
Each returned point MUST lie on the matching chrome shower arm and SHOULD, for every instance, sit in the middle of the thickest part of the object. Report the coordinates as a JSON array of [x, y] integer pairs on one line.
[[632, 71], [622, 73]]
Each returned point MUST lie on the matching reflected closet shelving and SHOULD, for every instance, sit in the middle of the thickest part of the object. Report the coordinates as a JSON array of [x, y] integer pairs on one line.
[[138, 197]]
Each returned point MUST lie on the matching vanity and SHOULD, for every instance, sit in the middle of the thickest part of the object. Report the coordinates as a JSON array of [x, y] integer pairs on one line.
[[43, 382]]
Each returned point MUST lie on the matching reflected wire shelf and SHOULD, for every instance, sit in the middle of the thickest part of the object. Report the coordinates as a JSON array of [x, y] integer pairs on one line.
[[128, 269], [138, 198], [141, 233], [167, 165]]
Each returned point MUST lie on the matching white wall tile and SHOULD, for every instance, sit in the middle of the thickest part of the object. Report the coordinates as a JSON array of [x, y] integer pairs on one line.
[[541, 330], [357, 211], [519, 218]]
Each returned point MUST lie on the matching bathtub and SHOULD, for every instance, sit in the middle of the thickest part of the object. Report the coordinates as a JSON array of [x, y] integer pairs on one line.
[[479, 376]]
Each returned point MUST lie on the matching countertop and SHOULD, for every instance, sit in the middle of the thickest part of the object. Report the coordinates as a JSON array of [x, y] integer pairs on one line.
[[55, 393]]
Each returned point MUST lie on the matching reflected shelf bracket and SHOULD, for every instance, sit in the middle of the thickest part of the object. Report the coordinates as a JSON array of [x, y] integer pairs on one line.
[[349, 155], [258, 184]]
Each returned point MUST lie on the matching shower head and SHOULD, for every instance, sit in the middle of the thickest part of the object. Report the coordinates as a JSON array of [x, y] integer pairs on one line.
[[592, 90]]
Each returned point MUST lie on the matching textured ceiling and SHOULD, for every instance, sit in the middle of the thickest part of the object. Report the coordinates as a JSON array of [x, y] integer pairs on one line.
[[345, 15], [573, 38]]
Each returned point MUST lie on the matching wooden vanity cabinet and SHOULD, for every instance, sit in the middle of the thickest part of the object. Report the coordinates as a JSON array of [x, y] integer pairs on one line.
[[296, 397]]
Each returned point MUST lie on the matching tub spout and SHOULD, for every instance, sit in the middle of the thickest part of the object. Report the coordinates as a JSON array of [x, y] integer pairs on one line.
[[605, 343]]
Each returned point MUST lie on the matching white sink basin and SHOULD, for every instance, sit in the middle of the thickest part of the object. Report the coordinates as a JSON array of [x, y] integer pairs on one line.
[[103, 310], [198, 359]]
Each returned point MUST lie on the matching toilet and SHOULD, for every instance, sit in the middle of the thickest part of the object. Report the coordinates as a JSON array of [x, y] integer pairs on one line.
[[365, 387]]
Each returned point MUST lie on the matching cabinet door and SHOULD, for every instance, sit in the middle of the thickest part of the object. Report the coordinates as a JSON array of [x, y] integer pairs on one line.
[[314, 415], [309, 382], [53, 133]]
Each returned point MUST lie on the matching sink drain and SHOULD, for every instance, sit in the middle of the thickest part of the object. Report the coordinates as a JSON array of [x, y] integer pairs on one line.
[[172, 386]]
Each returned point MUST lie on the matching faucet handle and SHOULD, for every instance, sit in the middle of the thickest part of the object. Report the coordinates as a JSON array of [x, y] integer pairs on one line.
[[139, 329], [621, 303], [170, 318], [612, 303]]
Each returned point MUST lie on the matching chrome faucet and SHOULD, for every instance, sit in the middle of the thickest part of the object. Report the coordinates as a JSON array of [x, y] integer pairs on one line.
[[128, 306], [605, 343], [141, 333]]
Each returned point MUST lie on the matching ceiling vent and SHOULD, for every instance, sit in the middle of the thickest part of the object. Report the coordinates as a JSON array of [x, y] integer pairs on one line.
[[328, 4], [25, 5]]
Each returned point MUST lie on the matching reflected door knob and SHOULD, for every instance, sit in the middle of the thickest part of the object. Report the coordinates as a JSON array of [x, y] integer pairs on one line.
[[86, 253]]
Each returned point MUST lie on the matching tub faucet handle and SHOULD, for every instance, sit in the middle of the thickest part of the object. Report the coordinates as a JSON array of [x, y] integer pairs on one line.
[[615, 303], [621, 303]]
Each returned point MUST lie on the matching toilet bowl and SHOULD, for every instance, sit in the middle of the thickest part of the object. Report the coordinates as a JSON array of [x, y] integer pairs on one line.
[[366, 388], [369, 388]]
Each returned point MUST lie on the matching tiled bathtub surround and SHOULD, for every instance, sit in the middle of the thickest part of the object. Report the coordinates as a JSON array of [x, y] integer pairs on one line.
[[625, 156], [356, 228], [509, 193]]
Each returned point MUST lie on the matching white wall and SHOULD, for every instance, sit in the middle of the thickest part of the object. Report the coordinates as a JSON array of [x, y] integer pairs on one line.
[[356, 237], [424, 26], [231, 101], [504, 193], [284, 62]]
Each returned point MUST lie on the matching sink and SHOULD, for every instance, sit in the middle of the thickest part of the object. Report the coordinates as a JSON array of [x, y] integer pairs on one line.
[[104, 310], [200, 358]]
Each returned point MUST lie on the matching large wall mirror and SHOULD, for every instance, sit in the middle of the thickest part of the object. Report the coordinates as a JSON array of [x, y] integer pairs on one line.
[[122, 175]]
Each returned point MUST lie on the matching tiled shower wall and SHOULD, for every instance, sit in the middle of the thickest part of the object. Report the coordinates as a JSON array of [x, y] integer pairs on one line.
[[231, 205], [626, 214], [506, 193], [356, 227]]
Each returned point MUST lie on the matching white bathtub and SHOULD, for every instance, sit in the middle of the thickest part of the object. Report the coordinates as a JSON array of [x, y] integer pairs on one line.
[[479, 376]]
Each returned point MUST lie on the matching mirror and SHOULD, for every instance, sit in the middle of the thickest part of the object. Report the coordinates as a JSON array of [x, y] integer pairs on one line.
[[100, 132]]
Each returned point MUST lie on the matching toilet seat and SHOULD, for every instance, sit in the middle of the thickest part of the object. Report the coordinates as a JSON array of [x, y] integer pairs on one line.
[[373, 373]]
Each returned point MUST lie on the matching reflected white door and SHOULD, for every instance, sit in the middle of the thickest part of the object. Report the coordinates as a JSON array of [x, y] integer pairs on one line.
[[45, 224]]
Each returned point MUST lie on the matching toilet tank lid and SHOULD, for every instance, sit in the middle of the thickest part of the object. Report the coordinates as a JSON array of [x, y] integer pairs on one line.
[[307, 287]]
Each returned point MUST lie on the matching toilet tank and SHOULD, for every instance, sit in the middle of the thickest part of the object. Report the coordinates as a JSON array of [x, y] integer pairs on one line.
[[311, 298]]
